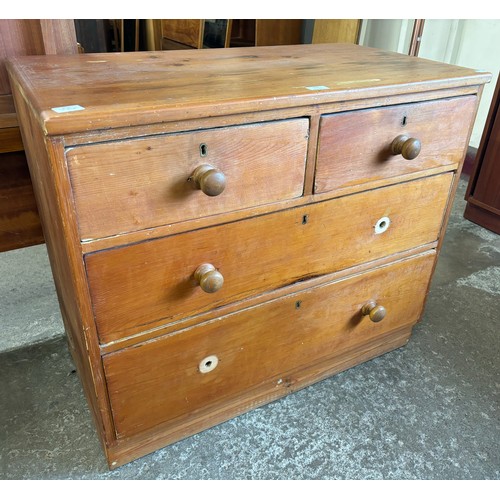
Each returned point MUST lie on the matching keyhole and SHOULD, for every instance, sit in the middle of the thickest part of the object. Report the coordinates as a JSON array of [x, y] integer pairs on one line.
[[203, 149], [403, 121], [305, 219]]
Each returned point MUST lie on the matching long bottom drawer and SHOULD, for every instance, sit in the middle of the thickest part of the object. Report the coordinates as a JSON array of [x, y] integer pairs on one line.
[[181, 375]]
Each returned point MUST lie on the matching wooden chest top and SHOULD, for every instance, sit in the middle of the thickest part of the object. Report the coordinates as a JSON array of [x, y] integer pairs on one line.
[[100, 91]]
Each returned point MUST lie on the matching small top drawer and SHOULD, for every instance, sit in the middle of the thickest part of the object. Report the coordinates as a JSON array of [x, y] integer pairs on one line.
[[355, 147], [136, 184]]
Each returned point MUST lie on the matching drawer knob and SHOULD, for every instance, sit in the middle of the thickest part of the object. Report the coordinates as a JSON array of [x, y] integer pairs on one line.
[[209, 179], [375, 311], [209, 279], [408, 147]]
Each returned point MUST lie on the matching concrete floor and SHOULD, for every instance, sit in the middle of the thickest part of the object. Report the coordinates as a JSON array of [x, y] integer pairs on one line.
[[430, 410]]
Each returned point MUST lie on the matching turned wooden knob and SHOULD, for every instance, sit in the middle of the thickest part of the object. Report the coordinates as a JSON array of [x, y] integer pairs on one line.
[[209, 279], [209, 179], [375, 311], [408, 147]]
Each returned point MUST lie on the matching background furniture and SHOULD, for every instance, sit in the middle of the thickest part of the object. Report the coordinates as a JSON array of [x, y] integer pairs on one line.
[[192, 291], [483, 191], [336, 30], [96, 35], [19, 220], [218, 33]]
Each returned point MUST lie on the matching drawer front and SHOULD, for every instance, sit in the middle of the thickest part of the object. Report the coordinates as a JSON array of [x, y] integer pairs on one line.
[[135, 184], [355, 147], [213, 363], [153, 283]]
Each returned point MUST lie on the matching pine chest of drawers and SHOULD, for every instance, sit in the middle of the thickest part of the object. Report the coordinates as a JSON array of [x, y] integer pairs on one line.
[[228, 226]]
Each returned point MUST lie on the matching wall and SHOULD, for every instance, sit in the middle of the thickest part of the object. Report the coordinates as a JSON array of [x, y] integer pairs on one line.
[[387, 34], [473, 43]]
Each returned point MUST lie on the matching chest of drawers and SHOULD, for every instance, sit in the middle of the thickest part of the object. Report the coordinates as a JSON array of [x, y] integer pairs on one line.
[[227, 226]]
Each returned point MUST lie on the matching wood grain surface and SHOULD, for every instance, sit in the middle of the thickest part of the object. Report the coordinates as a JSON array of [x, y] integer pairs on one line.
[[186, 31], [19, 220], [277, 32], [8, 117], [258, 345], [21, 37], [130, 185], [151, 87], [336, 30], [354, 147], [10, 140], [152, 283], [18, 37], [127, 449]]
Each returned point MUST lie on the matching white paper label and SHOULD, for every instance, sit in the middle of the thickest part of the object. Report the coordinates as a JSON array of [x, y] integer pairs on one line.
[[68, 109], [318, 87]]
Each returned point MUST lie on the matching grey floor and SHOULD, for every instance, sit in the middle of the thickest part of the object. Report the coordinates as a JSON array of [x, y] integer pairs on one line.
[[430, 410]]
